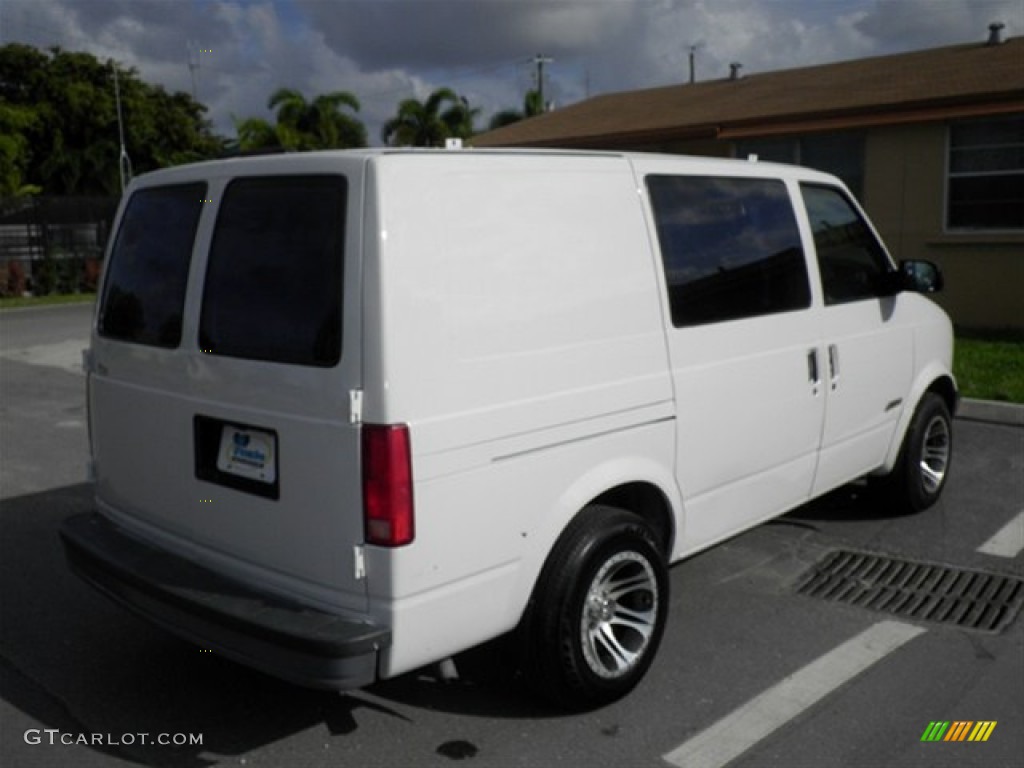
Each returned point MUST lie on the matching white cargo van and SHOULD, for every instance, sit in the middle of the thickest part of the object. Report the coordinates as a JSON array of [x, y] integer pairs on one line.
[[354, 412]]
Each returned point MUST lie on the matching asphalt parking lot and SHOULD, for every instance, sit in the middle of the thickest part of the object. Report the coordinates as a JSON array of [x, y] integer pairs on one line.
[[751, 674]]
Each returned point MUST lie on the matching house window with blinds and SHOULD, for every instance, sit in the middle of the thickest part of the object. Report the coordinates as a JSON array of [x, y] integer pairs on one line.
[[986, 175]]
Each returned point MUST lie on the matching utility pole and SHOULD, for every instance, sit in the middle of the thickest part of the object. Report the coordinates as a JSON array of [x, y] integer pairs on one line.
[[539, 61]]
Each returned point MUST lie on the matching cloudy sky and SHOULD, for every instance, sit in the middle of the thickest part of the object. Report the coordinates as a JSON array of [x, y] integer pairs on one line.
[[387, 50]]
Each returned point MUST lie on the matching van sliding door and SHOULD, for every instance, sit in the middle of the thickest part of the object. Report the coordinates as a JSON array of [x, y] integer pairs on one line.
[[743, 348]]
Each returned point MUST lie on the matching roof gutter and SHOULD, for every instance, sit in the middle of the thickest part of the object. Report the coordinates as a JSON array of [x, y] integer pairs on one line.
[[878, 118], [987, 105]]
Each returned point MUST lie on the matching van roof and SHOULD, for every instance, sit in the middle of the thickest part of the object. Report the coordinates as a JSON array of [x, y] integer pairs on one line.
[[275, 162]]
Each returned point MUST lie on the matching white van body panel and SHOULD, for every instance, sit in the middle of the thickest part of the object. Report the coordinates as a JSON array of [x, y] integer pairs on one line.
[[758, 453], [496, 554], [526, 311], [933, 355], [871, 345]]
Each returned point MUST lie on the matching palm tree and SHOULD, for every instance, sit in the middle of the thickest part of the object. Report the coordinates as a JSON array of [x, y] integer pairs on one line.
[[531, 108], [334, 127], [459, 119], [319, 124], [424, 124], [256, 133]]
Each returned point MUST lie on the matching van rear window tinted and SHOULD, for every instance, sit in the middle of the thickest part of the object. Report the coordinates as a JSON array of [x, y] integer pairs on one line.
[[148, 272], [730, 248], [274, 278]]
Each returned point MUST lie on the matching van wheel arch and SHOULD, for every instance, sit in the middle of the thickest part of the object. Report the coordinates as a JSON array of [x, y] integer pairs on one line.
[[946, 389], [647, 502], [922, 466]]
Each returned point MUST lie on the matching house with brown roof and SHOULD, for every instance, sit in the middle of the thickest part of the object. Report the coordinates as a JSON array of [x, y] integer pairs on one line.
[[932, 142]]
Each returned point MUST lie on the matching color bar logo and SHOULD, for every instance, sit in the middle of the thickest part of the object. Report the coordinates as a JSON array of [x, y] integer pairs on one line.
[[958, 730]]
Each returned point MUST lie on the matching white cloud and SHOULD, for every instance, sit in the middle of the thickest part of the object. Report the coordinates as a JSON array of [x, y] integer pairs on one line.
[[910, 24], [387, 50]]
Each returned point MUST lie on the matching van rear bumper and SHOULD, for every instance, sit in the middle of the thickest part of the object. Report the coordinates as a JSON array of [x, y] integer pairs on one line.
[[264, 631]]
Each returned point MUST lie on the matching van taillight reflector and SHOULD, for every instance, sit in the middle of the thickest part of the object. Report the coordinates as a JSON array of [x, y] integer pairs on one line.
[[387, 485]]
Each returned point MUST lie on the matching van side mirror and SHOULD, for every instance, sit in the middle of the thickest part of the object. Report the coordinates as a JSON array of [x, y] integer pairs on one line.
[[921, 277]]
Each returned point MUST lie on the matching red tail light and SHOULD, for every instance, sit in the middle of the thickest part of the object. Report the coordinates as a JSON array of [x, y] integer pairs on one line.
[[387, 485]]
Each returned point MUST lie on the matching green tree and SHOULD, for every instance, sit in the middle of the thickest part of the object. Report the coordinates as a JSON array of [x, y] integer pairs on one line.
[[256, 133], [302, 125], [70, 131], [531, 108], [429, 123], [319, 124], [14, 155], [460, 119]]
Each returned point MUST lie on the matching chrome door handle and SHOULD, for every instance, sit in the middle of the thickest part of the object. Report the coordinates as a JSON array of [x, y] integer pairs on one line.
[[833, 365], [812, 367]]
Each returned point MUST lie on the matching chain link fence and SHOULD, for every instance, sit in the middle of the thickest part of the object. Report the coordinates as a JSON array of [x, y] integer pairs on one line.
[[53, 244]]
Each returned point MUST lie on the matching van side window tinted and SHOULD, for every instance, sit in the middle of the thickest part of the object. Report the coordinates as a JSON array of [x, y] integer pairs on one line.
[[852, 262], [148, 272], [274, 278], [730, 248]]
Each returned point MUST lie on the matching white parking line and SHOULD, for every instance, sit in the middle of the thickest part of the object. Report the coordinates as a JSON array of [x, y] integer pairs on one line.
[[734, 734], [1008, 540]]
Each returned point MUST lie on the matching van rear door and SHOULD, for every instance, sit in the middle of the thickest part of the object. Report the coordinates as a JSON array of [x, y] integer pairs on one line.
[[225, 350]]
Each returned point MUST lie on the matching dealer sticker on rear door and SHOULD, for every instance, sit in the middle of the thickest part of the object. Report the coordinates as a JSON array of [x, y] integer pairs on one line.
[[248, 453]]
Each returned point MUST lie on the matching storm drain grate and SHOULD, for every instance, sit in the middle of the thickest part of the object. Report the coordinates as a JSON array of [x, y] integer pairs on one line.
[[975, 600]]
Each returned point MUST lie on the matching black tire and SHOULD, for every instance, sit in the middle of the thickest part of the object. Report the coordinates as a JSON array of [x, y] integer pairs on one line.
[[578, 650], [920, 474]]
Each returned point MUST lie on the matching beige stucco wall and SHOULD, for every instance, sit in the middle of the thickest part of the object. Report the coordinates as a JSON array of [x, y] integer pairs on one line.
[[904, 193]]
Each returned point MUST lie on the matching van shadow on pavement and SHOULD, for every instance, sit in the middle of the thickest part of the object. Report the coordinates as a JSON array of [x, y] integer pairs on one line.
[[854, 501], [71, 660], [74, 661]]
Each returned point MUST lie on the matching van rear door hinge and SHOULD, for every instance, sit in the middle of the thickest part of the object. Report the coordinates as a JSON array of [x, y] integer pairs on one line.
[[359, 558], [355, 406]]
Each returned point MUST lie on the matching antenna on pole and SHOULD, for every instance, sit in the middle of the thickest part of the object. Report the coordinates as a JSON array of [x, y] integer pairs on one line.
[[539, 61], [123, 161], [694, 47], [193, 65]]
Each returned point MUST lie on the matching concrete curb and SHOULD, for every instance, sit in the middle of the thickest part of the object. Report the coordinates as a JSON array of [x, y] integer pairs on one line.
[[40, 307], [992, 412]]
